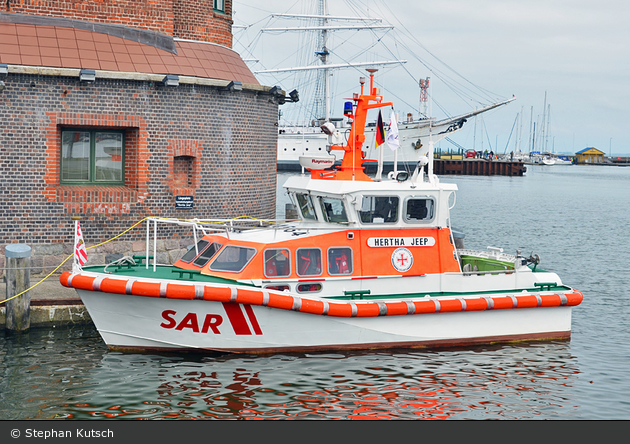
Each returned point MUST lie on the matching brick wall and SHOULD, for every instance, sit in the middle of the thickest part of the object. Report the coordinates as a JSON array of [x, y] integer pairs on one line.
[[187, 19], [217, 146]]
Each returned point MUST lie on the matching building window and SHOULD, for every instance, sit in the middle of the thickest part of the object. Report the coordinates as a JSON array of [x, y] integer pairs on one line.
[[219, 5], [94, 157]]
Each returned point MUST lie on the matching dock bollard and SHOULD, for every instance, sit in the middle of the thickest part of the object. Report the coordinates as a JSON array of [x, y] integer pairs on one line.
[[18, 266]]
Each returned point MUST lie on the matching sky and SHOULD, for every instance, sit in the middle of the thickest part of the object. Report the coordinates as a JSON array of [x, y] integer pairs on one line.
[[570, 55]]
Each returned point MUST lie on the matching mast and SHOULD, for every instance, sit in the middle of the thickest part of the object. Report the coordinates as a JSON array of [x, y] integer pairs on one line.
[[351, 165], [531, 131], [324, 58], [543, 140], [548, 122], [325, 67]]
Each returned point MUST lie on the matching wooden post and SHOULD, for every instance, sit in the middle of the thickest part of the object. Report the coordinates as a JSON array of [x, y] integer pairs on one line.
[[18, 310]]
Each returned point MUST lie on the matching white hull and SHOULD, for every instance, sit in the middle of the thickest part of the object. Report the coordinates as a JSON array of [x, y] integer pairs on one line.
[[128, 322], [414, 138]]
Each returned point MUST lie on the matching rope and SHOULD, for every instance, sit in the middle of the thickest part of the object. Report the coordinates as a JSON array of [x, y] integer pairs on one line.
[[122, 261], [126, 231]]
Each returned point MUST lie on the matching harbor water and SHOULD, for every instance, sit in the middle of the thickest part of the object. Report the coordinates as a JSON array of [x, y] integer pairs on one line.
[[576, 218]]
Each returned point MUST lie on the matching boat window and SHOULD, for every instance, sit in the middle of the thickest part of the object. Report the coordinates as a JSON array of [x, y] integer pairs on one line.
[[277, 263], [418, 210], [306, 206], [340, 260], [309, 287], [207, 254], [192, 253], [309, 261], [277, 287], [232, 259], [379, 209], [333, 210]]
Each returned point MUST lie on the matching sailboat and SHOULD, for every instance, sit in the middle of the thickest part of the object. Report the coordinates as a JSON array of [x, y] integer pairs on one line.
[[314, 137]]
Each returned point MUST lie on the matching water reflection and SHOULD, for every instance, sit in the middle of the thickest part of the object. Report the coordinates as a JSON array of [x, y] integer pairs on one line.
[[70, 375]]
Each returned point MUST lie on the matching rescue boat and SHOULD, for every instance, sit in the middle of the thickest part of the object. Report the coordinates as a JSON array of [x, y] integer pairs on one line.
[[369, 263]]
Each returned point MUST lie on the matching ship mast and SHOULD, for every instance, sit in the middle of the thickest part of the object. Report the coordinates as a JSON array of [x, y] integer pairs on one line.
[[323, 53]]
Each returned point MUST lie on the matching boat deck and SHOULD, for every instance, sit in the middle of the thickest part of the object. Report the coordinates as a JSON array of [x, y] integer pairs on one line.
[[168, 272]]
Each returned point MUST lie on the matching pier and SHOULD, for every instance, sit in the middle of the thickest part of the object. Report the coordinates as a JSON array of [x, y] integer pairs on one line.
[[478, 167]]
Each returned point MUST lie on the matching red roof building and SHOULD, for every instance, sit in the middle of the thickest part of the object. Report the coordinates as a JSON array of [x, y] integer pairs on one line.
[[115, 110]]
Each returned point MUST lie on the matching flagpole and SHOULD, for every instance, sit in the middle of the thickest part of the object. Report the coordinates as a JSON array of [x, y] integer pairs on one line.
[[379, 171], [392, 139], [75, 259]]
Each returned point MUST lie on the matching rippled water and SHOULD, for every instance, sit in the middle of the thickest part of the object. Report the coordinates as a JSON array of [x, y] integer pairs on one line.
[[574, 217]]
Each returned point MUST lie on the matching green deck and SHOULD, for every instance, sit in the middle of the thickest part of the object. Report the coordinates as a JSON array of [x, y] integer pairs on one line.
[[161, 272]]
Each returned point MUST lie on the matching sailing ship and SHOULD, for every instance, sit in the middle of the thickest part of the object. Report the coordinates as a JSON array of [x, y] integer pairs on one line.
[[299, 139], [368, 264]]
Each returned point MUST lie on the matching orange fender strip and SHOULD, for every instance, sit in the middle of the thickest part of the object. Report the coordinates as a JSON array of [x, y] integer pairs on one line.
[[476, 304], [397, 308], [428, 306], [368, 310], [450, 305], [218, 294], [82, 282], [527, 301], [503, 302], [179, 291], [146, 289], [340, 309], [312, 307], [574, 298], [114, 286], [336, 309], [251, 297], [280, 301]]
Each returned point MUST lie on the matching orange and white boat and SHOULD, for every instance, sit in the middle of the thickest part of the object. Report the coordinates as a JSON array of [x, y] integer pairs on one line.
[[370, 263]]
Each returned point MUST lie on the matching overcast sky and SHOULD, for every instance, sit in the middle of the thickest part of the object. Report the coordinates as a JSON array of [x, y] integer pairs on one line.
[[476, 52]]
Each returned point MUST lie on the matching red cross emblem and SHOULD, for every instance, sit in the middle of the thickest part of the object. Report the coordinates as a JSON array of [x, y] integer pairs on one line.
[[402, 259]]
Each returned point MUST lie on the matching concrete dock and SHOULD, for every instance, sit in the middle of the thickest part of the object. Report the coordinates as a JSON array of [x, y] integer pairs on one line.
[[52, 304]]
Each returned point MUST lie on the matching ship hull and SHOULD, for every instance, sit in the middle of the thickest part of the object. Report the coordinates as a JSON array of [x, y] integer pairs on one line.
[[136, 323]]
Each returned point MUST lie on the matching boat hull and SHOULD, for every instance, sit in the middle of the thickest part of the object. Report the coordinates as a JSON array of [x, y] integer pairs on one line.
[[137, 323]]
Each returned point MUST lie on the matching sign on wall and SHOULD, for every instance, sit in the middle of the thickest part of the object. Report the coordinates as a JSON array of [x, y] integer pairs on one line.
[[184, 202]]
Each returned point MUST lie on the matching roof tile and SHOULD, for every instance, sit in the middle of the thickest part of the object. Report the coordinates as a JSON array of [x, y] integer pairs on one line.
[[51, 61], [29, 50], [45, 31], [31, 60], [12, 59], [9, 49], [85, 49]]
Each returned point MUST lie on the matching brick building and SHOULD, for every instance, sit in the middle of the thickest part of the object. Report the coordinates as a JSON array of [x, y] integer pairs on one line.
[[113, 110]]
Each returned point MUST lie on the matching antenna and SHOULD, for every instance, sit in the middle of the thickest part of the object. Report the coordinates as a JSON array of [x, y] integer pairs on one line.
[[424, 96]]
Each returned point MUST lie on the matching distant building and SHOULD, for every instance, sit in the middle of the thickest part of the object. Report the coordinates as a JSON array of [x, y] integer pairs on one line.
[[590, 155], [115, 110]]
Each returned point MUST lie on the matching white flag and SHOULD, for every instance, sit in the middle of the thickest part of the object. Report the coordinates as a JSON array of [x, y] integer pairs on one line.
[[80, 251], [392, 133]]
